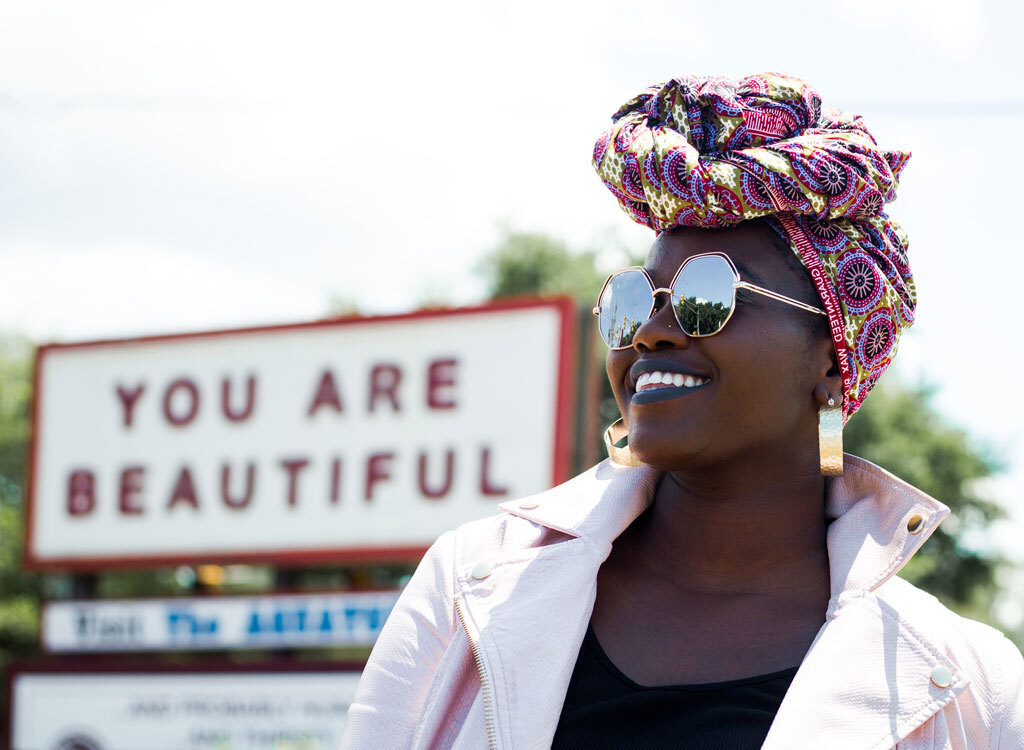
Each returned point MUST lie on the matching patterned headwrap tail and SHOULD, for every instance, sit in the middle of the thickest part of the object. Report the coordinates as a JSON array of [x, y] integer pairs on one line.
[[712, 152]]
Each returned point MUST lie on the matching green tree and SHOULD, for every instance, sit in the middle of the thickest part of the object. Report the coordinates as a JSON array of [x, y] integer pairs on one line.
[[897, 428], [15, 397], [534, 263], [20, 592]]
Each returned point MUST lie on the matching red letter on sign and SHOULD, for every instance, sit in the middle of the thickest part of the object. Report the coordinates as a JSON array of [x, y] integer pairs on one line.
[[384, 380], [179, 420], [131, 487], [128, 399], [184, 491], [335, 480], [292, 466], [375, 472], [81, 492], [486, 487], [441, 374], [250, 399], [326, 393], [225, 486], [449, 469]]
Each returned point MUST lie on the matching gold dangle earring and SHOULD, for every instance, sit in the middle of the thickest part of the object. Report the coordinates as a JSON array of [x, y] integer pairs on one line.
[[830, 439], [622, 456]]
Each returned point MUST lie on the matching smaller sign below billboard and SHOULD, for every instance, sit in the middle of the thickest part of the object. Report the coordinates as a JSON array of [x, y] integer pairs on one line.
[[217, 622], [178, 708]]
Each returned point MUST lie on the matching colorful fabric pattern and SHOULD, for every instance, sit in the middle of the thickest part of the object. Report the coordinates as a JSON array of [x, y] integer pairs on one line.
[[712, 152]]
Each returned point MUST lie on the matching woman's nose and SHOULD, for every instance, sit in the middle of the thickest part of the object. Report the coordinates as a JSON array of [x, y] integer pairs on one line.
[[661, 330]]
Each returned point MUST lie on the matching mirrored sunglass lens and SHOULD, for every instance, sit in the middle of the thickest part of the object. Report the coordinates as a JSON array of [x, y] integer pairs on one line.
[[703, 295], [625, 305]]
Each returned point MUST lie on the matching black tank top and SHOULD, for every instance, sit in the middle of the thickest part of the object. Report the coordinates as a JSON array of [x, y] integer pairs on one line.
[[605, 709]]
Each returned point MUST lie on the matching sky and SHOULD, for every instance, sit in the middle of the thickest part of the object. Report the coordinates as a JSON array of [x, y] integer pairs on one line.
[[178, 166]]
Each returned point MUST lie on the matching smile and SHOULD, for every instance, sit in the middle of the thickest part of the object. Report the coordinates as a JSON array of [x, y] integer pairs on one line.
[[661, 385], [650, 381]]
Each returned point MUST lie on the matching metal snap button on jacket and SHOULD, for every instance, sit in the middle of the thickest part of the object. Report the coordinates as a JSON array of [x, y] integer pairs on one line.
[[915, 524], [481, 570], [941, 676]]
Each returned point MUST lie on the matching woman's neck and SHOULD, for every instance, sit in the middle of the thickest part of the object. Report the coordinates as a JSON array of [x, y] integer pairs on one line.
[[737, 531]]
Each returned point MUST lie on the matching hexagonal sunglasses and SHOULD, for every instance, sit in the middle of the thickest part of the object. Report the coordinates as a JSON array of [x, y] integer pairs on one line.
[[703, 295]]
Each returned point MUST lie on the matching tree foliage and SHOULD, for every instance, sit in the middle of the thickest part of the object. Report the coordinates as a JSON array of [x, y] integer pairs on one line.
[[533, 263], [898, 429], [15, 398], [20, 592]]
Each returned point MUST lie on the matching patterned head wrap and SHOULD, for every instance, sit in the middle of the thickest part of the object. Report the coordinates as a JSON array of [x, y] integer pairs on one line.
[[712, 152]]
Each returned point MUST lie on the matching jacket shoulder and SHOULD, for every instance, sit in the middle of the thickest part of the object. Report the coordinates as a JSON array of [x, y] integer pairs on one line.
[[926, 614], [498, 534], [991, 662], [566, 511]]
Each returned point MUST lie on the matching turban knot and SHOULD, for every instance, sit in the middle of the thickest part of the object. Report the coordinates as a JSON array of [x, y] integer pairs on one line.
[[713, 151]]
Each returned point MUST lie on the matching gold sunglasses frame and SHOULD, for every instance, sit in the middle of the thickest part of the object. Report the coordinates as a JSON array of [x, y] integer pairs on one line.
[[737, 283]]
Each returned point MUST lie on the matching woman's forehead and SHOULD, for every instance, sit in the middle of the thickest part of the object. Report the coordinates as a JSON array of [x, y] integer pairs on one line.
[[748, 245]]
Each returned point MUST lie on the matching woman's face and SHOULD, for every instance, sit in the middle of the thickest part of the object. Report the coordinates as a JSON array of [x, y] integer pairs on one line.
[[761, 370]]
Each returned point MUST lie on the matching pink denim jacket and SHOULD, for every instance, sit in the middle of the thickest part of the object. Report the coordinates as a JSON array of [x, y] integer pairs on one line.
[[480, 647]]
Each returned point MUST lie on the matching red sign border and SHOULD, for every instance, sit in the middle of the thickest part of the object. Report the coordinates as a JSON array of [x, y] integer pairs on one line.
[[565, 397], [107, 665]]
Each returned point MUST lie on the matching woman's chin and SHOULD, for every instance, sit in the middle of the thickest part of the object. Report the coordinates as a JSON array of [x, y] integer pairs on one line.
[[664, 455]]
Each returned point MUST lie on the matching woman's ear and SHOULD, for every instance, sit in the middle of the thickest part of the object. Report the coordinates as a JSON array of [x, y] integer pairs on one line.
[[829, 378]]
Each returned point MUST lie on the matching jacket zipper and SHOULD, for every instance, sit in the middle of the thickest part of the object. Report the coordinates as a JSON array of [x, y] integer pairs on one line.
[[485, 689]]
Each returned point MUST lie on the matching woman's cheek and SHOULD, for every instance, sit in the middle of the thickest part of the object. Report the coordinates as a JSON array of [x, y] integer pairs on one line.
[[617, 366]]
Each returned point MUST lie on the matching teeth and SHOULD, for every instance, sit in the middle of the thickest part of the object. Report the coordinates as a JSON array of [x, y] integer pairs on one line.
[[676, 379]]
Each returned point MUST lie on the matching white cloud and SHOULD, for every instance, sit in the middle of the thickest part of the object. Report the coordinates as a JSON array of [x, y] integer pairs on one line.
[[953, 27], [67, 294]]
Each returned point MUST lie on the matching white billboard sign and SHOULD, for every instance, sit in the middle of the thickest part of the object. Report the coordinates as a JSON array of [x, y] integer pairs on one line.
[[217, 622], [363, 438], [155, 710]]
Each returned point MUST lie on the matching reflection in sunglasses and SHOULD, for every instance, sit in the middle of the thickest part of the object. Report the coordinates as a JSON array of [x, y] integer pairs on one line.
[[699, 317], [623, 332]]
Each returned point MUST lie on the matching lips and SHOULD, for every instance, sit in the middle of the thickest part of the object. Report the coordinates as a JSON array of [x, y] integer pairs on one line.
[[661, 379]]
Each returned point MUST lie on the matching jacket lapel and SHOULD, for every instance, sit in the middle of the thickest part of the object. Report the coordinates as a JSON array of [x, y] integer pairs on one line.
[[866, 680], [529, 636], [531, 613], [865, 684]]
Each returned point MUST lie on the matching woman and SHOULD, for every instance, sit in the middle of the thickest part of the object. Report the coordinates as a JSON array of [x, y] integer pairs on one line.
[[729, 579]]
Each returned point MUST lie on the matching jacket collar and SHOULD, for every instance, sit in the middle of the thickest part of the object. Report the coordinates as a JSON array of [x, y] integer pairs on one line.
[[868, 539]]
